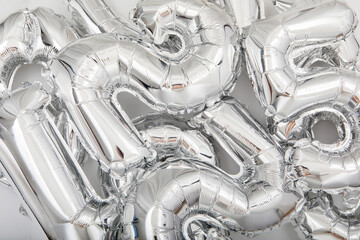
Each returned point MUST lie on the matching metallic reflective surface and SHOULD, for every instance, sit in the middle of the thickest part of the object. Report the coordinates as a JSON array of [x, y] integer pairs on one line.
[[31, 37], [171, 141], [303, 74], [41, 168], [282, 57], [172, 200], [166, 175], [260, 161], [319, 218], [190, 46]]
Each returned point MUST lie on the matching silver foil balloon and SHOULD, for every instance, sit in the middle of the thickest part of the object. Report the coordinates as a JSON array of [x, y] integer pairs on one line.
[[299, 94], [259, 159], [175, 198], [40, 167], [316, 165], [318, 217], [192, 51], [160, 173], [303, 64], [87, 83], [172, 137], [279, 58], [244, 140], [35, 159], [187, 199], [169, 139], [30, 37]]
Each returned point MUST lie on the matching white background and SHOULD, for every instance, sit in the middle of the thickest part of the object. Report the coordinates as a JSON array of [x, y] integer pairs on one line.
[[14, 225]]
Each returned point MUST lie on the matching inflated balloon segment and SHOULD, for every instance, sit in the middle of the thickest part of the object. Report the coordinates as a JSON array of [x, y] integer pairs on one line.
[[161, 174]]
